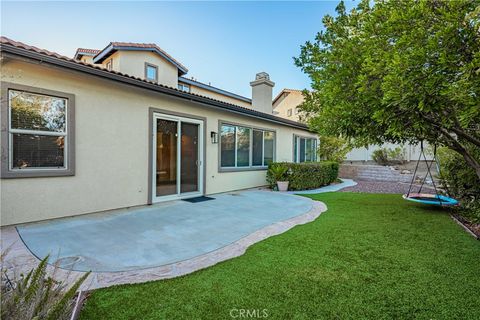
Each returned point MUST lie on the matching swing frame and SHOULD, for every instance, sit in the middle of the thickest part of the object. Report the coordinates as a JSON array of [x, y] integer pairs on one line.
[[427, 198]]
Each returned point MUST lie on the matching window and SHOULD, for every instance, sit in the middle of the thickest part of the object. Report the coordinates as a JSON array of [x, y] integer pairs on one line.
[[289, 112], [109, 64], [305, 149], [245, 148], [40, 133], [184, 87], [151, 72], [297, 110]]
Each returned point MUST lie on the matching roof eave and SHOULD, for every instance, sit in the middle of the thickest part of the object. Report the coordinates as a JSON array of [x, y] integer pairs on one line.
[[105, 53], [96, 71]]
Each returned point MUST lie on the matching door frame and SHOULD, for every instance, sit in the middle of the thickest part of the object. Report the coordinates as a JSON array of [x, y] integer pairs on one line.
[[155, 113]]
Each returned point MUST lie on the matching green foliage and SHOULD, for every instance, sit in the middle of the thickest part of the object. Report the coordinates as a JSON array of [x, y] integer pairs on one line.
[[370, 256], [333, 148], [385, 156], [461, 182], [398, 71], [308, 175], [277, 171], [37, 295], [380, 156]]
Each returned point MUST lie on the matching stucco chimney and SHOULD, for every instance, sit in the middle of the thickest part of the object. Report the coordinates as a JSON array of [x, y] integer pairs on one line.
[[262, 93]]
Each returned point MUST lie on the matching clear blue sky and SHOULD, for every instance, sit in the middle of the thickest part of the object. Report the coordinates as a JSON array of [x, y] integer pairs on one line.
[[225, 43]]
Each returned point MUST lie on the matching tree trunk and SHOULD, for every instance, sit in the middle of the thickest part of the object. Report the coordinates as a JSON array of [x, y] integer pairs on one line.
[[457, 146]]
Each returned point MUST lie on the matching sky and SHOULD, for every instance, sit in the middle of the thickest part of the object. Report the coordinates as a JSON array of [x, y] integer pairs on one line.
[[222, 43]]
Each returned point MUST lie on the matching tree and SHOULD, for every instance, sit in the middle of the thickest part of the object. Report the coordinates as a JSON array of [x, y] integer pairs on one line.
[[398, 71]]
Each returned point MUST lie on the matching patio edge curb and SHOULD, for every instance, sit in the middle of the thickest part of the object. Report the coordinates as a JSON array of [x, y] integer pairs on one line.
[[26, 260]]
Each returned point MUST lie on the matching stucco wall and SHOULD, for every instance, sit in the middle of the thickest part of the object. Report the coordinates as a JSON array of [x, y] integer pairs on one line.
[[133, 63], [112, 140], [291, 101]]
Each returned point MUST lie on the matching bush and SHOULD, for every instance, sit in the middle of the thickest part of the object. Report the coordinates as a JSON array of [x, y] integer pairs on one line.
[[36, 295], [333, 149], [385, 156], [308, 175], [461, 182], [278, 172]]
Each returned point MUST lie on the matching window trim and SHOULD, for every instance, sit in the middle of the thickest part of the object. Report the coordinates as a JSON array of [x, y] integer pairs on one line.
[[183, 85], [6, 171], [109, 64], [289, 112], [250, 167], [156, 72], [296, 154]]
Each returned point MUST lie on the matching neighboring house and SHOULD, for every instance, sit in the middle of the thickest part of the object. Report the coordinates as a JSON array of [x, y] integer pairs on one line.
[[286, 105], [123, 126]]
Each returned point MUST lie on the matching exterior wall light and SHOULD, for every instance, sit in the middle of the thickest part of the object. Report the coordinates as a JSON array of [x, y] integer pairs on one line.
[[214, 137]]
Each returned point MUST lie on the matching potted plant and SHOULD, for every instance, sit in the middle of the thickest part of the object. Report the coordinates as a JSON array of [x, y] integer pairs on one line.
[[279, 174]]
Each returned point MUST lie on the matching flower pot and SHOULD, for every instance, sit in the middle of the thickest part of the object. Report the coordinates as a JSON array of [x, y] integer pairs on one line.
[[282, 185]]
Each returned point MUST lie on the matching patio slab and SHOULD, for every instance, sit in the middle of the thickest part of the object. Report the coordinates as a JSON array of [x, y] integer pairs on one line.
[[229, 225], [146, 237]]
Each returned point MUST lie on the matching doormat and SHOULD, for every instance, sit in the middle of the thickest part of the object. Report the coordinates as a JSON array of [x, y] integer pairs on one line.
[[198, 199]]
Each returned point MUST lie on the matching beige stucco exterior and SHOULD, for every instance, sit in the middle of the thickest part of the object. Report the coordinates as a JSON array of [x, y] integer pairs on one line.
[[133, 63], [112, 142], [288, 100], [87, 59]]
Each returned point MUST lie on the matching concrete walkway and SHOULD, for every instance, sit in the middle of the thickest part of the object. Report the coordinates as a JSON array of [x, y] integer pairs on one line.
[[157, 242], [330, 188]]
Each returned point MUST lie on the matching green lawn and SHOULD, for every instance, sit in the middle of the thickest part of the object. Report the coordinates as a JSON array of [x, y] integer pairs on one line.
[[369, 256]]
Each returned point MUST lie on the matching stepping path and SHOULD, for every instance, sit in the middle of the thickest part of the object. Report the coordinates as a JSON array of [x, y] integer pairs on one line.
[[330, 188]]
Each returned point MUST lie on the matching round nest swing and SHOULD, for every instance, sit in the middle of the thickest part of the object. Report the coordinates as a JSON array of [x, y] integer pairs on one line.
[[435, 199]]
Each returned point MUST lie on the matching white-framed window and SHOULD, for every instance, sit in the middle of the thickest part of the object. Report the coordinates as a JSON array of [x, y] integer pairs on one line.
[[289, 112], [305, 149], [297, 110], [40, 138], [184, 87], [109, 64], [151, 72], [243, 147]]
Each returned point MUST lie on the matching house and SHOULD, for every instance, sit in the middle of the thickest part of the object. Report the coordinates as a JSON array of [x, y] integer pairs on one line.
[[286, 105], [124, 126]]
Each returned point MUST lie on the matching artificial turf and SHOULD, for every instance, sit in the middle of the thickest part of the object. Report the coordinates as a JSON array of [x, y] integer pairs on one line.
[[370, 256]]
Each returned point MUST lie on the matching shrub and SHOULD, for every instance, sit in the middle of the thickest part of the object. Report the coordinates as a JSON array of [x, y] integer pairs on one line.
[[278, 172], [380, 156], [308, 175], [36, 295], [461, 182], [385, 156], [333, 149]]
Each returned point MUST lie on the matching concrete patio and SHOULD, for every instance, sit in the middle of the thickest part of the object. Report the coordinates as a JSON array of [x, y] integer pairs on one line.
[[159, 241]]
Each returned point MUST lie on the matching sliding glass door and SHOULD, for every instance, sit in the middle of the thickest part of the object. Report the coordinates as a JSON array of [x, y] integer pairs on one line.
[[177, 157]]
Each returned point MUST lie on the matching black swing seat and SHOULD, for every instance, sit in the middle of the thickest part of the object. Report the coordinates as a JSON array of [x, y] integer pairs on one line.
[[432, 199]]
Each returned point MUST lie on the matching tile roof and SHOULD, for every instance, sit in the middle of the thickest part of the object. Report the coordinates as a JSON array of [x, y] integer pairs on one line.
[[70, 63], [93, 51], [112, 46]]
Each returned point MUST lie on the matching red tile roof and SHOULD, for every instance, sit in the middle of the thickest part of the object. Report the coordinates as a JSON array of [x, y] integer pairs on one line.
[[85, 50], [152, 46], [4, 41]]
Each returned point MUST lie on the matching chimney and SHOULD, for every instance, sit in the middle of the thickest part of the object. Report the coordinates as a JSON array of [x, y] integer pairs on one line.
[[262, 93]]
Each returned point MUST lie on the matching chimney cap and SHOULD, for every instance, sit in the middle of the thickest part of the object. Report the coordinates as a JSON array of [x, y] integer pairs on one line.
[[262, 75], [262, 78]]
